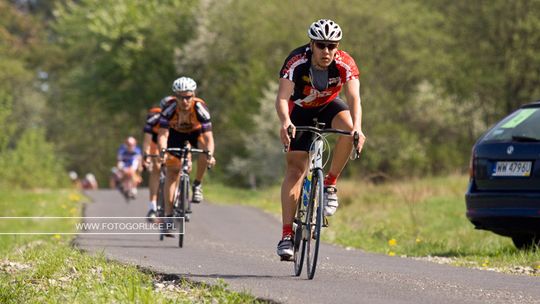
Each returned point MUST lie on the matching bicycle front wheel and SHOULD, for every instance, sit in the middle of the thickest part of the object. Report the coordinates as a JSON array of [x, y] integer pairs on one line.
[[314, 221], [160, 206], [299, 226], [183, 204]]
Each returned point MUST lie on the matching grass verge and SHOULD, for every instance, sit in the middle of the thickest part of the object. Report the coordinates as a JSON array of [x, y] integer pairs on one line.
[[423, 218], [47, 269]]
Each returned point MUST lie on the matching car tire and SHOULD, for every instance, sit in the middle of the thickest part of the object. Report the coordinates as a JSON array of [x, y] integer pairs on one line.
[[526, 242]]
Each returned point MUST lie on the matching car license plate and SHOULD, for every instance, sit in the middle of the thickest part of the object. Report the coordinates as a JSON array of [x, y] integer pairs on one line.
[[512, 168]]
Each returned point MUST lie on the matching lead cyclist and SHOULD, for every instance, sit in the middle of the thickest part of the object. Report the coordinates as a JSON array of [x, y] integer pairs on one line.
[[311, 79]]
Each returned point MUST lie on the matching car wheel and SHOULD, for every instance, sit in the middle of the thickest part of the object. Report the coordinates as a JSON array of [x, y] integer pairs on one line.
[[526, 242]]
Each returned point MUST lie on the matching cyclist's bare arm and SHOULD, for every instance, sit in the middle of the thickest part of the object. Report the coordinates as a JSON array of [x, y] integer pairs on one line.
[[285, 90], [208, 138], [163, 134], [146, 147], [351, 89], [146, 143]]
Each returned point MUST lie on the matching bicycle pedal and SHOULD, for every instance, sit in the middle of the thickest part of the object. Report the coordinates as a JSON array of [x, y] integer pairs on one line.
[[287, 258], [325, 222]]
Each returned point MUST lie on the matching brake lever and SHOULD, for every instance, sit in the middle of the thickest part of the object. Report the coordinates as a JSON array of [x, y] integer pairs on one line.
[[356, 139]]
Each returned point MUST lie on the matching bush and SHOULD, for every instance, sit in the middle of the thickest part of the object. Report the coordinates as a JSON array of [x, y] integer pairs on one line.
[[32, 163]]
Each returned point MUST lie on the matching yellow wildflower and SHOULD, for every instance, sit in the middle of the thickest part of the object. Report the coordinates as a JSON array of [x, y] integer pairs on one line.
[[392, 242], [74, 197], [391, 253]]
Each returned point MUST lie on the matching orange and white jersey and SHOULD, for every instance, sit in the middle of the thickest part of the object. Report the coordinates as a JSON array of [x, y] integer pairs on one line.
[[196, 118]]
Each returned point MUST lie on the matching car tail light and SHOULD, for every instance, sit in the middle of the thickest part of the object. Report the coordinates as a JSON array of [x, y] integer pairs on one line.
[[472, 163]]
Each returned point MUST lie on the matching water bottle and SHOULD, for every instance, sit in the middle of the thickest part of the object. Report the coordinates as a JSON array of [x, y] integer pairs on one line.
[[307, 188]]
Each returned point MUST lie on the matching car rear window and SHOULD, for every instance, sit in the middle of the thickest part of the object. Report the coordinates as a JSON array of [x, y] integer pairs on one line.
[[523, 123]]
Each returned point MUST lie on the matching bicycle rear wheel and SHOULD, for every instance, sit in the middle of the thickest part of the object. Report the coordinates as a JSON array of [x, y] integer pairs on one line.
[[299, 226], [314, 221]]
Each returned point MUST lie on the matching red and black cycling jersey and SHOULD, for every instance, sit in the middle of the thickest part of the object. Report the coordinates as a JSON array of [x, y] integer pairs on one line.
[[297, 69], [152, 122], [197, 118]]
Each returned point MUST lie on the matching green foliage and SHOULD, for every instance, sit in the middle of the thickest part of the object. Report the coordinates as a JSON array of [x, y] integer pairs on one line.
[[118, 60], [32, 164], [26, 158], [6, 104], [434, 74], [262, 145]]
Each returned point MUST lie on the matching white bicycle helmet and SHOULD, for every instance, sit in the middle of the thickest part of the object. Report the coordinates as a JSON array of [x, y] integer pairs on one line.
[[325, 29], [183, 84]]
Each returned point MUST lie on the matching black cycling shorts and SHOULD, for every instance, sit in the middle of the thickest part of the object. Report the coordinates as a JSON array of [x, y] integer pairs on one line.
[[177, 139], [304, 117]]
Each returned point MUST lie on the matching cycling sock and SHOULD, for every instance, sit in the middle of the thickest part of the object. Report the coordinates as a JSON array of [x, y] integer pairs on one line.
[[196, 182], [287, 230], [330, 179], [152, 205]]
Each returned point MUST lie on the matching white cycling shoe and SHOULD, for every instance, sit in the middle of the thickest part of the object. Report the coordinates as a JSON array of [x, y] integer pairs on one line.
[[330, 200]]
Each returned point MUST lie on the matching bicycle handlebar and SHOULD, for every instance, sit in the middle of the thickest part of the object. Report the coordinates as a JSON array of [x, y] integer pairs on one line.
[[188, 150], [180, 152], [355, 135], [320, 131]]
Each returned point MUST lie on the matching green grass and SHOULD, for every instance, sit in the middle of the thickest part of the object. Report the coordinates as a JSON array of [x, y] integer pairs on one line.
[[47, 269], [417, 218]]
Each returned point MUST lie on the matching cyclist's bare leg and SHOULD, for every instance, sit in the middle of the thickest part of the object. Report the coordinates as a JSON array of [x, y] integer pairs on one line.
[[343, 147], [297, 163], [126, 178], [171, 180], [201, 167], [153, 182]]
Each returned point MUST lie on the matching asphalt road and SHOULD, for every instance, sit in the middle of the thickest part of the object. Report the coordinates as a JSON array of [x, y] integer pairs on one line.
[[237, 244]]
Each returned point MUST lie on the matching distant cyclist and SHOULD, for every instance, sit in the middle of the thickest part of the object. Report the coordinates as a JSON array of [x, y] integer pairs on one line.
[[185, 118], [311, 79], [89, 182], [127, 168], [151, 129]]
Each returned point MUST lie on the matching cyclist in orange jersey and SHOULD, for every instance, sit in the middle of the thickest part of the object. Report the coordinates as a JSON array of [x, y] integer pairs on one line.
[[185, 118]]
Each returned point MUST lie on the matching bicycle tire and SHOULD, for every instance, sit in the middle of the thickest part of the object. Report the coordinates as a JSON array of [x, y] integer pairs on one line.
[[299, 240], [160, 206], [314, 221]]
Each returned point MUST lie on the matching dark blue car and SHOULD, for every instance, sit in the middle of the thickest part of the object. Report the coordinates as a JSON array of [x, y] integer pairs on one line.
[[504, 189]]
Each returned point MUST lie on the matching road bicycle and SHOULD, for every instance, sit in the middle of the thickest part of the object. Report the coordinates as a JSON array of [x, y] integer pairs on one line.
[[309, 218], [181, 202]]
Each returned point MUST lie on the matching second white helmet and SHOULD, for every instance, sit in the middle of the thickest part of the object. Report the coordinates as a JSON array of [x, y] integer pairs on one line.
[[184, 84], [325, 29]]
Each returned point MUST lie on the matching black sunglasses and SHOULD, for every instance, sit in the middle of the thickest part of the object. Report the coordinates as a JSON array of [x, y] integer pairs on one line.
[[188, 97], [323, 45]]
